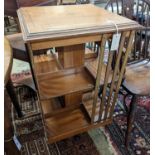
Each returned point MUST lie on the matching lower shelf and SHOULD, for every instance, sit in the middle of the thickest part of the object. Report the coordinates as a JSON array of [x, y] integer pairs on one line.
[[68, 124]]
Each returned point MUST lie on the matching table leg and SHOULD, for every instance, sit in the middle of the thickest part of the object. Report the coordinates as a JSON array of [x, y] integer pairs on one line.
[[12, 94]]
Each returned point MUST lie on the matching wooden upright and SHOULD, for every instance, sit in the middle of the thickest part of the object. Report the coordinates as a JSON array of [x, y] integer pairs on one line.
[[61, 77]]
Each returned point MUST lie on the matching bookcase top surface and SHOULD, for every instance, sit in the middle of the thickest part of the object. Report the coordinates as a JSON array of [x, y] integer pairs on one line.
[[69, 20]]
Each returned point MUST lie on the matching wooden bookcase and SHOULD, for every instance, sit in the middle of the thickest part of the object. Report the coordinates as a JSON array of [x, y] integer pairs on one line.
[[62, 80]]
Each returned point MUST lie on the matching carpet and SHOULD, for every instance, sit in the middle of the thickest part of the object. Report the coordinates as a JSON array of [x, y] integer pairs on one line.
[[140, 135], [31, 133]]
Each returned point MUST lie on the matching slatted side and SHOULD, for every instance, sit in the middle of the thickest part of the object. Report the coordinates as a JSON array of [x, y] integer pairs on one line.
[[103, 107], [107, 104], [98, 77]]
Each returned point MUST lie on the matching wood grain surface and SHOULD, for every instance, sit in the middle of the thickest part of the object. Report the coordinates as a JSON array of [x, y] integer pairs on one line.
[[137, 78], [64, 82], [69, 20]]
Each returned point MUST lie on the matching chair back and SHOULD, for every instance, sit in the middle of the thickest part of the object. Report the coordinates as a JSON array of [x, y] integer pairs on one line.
[[136, 10], [115, 6], [121, 7], [139, 11], [142, 12], [141, 48]]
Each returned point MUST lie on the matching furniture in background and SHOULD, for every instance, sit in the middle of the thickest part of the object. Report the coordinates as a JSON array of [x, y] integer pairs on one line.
[[8, 55], [9, 145], [142, 12], [19, 52], [137, 81], [67, 90], [11, 7], [137, 77], [72, 2], [121, 7], [138, 10], [18, 46]]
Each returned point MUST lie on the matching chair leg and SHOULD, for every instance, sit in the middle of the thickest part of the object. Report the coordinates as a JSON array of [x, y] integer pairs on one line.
[[11, 92], [130, 119]]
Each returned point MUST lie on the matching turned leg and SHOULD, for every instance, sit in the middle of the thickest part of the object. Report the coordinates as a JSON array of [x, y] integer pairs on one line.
[[130, 119], [12, 94]]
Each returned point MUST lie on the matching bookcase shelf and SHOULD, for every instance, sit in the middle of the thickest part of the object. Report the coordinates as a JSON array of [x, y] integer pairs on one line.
[[46, 63], [64, 82], [69, 123], [88, 106]]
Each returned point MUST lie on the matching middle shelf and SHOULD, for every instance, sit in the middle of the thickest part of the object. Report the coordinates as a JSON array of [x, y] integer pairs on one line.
[[64, 82]]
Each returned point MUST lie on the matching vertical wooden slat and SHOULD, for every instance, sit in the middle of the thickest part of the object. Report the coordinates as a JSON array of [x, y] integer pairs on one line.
[[147, 40], [122, 71], [135, 46], [145, 49], [117, 7], [112, 9], [142, 13], [140, 45], [122, 7], [148, 16], [137, 10], [101, 57], [105, 84], [115, 71]]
